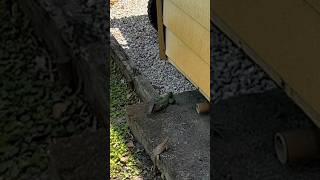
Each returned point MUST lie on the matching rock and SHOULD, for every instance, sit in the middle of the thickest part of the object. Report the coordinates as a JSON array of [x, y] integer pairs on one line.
[[58, 109]]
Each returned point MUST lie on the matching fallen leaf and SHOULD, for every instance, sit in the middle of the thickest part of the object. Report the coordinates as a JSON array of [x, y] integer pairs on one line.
[[112, 2], [137, 178], [124, 159]]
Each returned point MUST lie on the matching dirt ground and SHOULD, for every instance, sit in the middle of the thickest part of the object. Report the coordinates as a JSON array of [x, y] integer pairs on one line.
[[35, 107], [188, 133], [245, 150]]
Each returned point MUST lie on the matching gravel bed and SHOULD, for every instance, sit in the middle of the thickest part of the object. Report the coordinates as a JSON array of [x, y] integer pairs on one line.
[[34, 107], [233, 73], [131, 27]]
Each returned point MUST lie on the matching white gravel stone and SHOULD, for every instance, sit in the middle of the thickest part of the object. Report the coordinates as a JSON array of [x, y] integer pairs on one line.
[[234, 73], [131, 27]]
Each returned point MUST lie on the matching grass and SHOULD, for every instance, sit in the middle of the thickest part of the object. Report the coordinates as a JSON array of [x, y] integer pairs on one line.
[[122, 161]]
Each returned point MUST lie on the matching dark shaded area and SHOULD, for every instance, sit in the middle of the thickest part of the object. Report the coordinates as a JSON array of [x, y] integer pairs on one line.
[[77, 36], [38, 101], [152, 13], [83, 157], [245, 150]]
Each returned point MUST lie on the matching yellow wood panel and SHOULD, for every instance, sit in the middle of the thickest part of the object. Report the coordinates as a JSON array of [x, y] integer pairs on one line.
[[195, 36], [285, 34], [188, 63], [197, 9], [315, 4]]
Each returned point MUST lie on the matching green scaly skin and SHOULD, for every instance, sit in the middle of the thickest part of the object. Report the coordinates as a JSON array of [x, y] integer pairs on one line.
[[162, 102]]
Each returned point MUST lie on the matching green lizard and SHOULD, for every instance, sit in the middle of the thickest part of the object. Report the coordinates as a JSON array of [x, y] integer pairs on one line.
[[161, 103]]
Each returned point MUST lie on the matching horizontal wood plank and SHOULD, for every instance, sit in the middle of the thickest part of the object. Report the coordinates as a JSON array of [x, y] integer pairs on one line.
[[314, 4], [197, 9], [195, 36], [285, 34], [188, 63]]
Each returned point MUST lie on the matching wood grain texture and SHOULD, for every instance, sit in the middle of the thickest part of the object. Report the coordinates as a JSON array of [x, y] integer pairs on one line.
[[314, 4], [161, 38], [188, 30], [197, 9], [188, 63], [285, 35]]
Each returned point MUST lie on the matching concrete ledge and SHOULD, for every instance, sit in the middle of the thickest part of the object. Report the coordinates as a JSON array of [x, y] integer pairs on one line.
[[142, 86], [188, 155], [122, 60]]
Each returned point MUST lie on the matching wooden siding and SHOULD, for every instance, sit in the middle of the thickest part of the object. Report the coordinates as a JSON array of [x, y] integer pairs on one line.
[[187, 37], [187, 30], [190, 64], [283, 37]]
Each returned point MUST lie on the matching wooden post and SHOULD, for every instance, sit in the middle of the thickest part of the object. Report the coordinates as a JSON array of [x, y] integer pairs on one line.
[[161, 35]]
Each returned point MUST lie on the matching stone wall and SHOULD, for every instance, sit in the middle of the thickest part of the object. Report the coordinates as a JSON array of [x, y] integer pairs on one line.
[[76, 33]]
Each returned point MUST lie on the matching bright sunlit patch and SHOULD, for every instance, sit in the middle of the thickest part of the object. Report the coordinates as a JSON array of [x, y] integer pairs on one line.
[[116, 32], [123, 162]]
